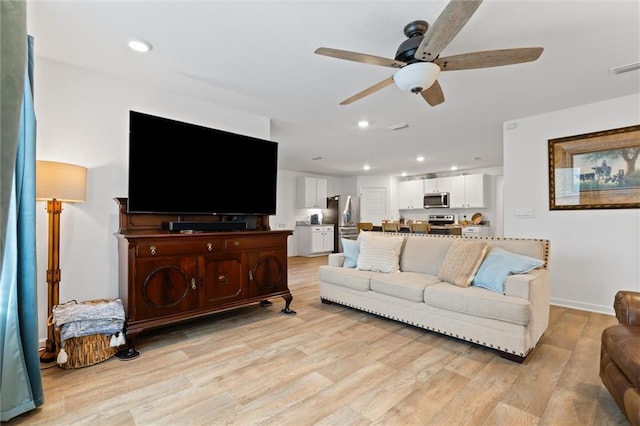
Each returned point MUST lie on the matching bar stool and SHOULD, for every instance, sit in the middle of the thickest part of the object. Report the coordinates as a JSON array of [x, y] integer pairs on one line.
[[419, 228], [364, 226], [390, 226]]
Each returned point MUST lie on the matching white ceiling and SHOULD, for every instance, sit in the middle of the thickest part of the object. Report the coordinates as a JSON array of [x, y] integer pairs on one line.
[[257, 56]]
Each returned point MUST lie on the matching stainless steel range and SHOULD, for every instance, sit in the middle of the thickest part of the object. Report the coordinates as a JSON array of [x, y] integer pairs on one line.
[[442, 219], [443, 224]]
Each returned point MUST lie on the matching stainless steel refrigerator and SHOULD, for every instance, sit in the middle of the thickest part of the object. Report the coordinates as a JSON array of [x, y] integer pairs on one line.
[[344, 212]]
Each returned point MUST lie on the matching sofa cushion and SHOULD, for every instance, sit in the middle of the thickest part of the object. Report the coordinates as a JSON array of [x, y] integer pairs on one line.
[[346, 277], [462, 261], [478, 301], [500, 263], [351, 250], [379, 253], [525, 247], [424, 254], [406, 285]]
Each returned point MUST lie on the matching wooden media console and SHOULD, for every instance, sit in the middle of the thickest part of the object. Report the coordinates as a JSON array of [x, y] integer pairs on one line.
[[168, 277]]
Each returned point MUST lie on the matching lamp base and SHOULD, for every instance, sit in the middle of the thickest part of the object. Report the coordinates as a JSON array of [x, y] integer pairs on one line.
[[127, 354]]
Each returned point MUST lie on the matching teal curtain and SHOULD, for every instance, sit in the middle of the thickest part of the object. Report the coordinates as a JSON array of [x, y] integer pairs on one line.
[[20, 379]]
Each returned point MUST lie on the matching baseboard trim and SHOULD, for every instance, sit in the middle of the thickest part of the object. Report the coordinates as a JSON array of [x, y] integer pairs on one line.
[[583, 306]]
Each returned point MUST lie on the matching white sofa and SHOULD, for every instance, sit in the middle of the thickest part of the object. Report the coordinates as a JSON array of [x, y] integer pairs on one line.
[[510, 321]]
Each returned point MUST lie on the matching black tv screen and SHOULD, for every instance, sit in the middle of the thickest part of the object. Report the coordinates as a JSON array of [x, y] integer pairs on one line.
[[182, 168]]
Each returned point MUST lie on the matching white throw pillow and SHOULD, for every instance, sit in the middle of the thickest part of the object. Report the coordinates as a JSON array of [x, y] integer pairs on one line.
[[379, 253]]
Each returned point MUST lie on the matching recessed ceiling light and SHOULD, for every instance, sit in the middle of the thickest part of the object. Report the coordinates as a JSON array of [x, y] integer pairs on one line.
[[363, 124], [140, 45], [404, 173], [420, 158], [316, 158], [454, 167], [476, 158], [366, 167]]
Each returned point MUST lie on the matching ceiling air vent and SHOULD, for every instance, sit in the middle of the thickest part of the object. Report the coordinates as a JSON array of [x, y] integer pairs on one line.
[[398, 126], [625, 68]]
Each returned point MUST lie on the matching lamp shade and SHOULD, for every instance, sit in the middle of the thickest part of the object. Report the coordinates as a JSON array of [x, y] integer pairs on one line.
[[60, 181], [416, 77]]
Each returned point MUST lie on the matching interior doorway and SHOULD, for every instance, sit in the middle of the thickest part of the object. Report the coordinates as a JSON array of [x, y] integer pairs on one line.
[[373, 204]]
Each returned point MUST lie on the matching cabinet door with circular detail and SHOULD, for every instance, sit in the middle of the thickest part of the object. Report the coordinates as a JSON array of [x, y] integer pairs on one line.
[[164, 286], [267, 272]]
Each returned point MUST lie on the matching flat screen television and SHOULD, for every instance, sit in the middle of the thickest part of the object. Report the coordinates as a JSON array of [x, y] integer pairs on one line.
[[182, 168]]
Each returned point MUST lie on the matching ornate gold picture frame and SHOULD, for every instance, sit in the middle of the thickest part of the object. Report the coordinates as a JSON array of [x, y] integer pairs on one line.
[[599, 170]]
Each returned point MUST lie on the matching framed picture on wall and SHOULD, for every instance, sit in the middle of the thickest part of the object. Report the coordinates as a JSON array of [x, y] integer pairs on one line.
[[599, 170]]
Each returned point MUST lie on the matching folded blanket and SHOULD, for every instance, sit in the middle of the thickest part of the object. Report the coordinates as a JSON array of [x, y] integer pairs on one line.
[[83, 319]]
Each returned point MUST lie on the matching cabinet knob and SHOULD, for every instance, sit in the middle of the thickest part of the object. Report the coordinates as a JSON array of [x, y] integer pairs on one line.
[[153, 250], [209, 247], [193, 283], [236, 243]]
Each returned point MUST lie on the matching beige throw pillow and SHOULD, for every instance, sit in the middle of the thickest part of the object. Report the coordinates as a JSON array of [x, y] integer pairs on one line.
[[462, 262], [379, 253]]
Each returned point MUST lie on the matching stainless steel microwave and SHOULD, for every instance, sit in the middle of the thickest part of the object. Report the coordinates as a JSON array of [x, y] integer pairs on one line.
[[436, 200]]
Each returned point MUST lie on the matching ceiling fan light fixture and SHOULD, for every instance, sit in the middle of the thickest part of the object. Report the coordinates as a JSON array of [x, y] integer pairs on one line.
[[416, 77]]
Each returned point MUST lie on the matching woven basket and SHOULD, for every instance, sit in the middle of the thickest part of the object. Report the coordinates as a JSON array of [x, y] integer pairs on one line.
[[84, 351]]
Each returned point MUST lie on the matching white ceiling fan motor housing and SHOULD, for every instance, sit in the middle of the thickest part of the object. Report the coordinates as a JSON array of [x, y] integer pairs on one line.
[[416, 77]]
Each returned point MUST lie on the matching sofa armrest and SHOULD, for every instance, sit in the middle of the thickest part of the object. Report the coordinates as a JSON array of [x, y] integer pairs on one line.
[[336, 259], [519, 285], [627, 306], [535, 287]]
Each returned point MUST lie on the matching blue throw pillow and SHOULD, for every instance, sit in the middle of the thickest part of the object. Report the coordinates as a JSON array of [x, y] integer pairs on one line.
[[351, 251], [499, 264]]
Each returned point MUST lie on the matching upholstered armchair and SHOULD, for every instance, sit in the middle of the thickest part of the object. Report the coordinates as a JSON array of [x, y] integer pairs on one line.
[[620, 355]]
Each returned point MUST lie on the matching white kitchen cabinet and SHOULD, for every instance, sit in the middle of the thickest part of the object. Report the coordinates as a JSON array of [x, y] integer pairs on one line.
[[315, 240], [468, 191], [411, 194], [312, 193], [437, 185]]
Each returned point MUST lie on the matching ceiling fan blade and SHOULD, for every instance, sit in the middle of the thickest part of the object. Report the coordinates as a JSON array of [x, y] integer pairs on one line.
[[384, 83], [489, 58], [433, 95], [445, 28], [360, 57]]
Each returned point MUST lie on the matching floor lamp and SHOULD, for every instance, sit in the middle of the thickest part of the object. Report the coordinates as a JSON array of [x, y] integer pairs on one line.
[[56, 183]]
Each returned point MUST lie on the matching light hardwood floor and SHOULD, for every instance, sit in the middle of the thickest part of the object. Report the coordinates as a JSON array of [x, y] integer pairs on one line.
[[331, 365]]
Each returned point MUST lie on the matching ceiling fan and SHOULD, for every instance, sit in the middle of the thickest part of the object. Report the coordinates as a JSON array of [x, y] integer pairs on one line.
[[418, 58]]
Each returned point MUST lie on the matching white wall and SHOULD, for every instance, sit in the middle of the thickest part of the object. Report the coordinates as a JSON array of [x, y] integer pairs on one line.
[[594, 253], [82, 118]]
